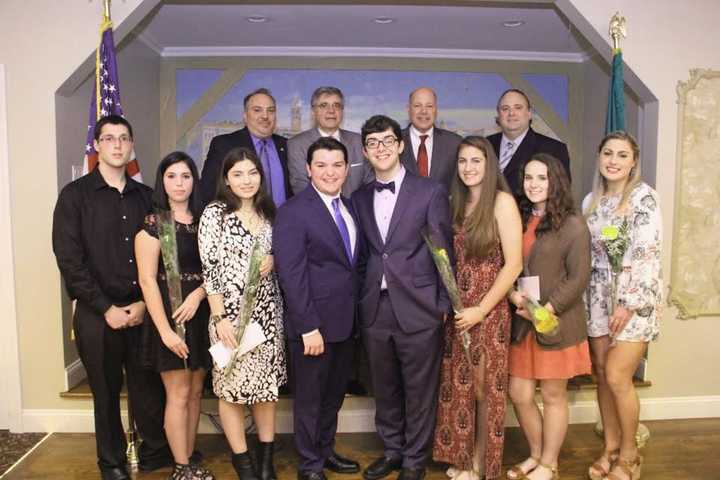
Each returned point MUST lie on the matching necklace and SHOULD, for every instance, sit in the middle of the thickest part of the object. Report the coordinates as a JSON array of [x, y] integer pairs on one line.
[[538, 213], [250, 219]]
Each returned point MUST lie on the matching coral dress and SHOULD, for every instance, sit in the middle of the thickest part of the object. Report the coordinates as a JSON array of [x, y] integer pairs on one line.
[[458, 410], [529, 360]]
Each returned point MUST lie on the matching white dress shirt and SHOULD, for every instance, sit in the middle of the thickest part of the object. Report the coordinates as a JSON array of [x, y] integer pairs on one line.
[[335, 135], [415, 141], [383, 207]]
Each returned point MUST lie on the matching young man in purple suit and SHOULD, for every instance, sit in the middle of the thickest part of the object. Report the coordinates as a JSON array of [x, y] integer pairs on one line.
[[316, 239], [402, 302]]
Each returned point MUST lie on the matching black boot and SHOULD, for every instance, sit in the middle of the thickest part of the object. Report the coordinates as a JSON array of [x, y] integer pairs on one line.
[[243, 465], [266, 470]]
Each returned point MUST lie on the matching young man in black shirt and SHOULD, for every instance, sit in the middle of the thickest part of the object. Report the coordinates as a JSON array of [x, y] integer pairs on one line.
[[94, 225]]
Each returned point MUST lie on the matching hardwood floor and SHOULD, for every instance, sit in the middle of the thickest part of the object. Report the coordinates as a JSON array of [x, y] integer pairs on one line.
[[677, 450]]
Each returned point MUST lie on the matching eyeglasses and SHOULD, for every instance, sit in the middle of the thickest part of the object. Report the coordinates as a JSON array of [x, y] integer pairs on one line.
[[111, 139], [328, 106], [373, 143]]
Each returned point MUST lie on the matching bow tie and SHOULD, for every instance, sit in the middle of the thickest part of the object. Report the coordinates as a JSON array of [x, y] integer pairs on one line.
[[379, 186]]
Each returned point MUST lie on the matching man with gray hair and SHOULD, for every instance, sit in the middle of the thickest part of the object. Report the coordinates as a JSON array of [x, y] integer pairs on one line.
[[328, 105]]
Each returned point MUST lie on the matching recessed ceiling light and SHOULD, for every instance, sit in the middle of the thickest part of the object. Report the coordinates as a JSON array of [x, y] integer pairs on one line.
[[383, 20], [513, 23], [257, 19]]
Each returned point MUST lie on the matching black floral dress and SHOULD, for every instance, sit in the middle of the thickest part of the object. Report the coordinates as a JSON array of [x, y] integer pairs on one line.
[[225, 247], [155, 354]]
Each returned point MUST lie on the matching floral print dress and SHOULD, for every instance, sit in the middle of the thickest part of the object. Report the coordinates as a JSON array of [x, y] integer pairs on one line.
[[225, 247], [639, 285]]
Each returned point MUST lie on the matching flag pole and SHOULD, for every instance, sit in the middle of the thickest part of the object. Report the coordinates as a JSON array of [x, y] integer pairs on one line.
[[106, 10], [616, 30], [131, 434]]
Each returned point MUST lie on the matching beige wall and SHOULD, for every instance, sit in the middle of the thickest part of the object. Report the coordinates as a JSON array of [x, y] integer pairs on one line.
[[666, 40], [41, 44]]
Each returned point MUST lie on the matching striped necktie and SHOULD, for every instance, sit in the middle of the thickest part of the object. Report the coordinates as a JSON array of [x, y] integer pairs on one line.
[[507, 155]]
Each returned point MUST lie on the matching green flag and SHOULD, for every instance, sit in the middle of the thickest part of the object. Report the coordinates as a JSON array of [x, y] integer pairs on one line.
[[615, 119]]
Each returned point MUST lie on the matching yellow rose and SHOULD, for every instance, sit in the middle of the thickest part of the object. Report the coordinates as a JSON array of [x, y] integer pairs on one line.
[[609, 232]]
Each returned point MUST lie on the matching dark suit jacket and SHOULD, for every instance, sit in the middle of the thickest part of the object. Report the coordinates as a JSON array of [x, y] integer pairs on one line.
[[221, 145], [320, 285], [418, 296], [443, 160], [360, 170], [532, 143]]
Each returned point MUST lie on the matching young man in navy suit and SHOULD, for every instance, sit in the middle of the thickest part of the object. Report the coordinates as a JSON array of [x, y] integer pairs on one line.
[[316, 239], [402, 302]]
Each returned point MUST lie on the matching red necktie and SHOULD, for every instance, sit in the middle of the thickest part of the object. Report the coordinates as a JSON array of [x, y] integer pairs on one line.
[[422, 158]]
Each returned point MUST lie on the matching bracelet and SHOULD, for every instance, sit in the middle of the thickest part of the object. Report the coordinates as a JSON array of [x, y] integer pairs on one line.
[[216, 317]]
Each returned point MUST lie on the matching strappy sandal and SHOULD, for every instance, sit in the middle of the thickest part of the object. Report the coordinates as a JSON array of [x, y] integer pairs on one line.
[[190, 472], [597, 471], [630, 468], [181, 472], [201, 473], [552, 469], [517, 473]]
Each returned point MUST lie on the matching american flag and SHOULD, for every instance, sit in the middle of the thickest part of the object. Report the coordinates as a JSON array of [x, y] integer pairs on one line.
[[105, 99]]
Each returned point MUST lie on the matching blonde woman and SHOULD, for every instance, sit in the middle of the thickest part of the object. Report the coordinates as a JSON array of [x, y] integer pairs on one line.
[[620, 330]]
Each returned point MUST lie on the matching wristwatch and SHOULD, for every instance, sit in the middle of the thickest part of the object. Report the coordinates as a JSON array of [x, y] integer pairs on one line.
[[216, 317]]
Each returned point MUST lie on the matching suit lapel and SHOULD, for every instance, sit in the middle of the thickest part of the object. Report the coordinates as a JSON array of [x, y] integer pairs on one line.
[[322, 212], [401, 204], [523, 152], [355, 219], [366, 202], [437, 152], [408, 155]]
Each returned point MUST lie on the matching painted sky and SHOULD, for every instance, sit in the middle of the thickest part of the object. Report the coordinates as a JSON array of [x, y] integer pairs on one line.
[[466, 99]]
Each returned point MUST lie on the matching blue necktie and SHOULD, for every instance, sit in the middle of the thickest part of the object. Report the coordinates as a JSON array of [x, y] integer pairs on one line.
[[379, 186], [342, 227]]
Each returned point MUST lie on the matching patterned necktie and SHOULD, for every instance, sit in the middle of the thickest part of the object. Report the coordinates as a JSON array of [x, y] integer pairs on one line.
[[507, 155], [422, 157], [265, 161], [342, 227], [379, 186]]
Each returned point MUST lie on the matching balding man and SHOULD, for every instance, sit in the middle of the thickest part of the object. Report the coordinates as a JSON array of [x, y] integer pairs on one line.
[[429, 151]]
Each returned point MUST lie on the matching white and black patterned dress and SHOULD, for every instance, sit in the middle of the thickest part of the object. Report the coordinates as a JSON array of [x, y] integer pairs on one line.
[[640, 284], [225, 247]]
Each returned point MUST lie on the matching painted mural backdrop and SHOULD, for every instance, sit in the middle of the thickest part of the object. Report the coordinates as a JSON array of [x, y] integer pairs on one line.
[[466, 100]]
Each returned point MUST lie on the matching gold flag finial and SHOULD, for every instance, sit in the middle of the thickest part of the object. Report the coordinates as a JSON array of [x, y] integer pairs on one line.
[[617, 30], [106, 12]]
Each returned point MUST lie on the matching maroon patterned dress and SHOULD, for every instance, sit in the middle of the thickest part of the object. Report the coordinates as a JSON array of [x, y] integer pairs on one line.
[[455, 434]]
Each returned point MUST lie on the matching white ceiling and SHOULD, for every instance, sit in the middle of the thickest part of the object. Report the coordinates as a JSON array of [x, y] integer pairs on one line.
[[202, 28]]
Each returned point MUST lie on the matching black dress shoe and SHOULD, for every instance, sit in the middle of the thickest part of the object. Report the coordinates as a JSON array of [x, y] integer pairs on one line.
[[382, 467], [339, 464], [412, 474], [311, 476], [118, 473]]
